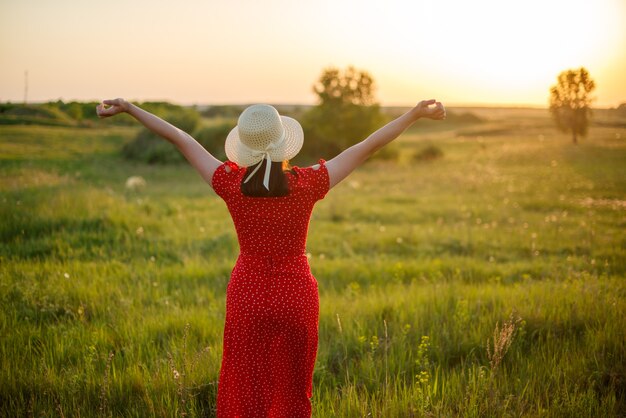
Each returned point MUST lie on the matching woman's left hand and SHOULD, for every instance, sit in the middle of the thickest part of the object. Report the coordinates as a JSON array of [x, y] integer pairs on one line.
[[112, 107]]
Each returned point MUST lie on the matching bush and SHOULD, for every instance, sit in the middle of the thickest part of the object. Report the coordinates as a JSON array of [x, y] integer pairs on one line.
[[429, 153], [223, 111], [466, 118], [212, 138], [46, 110], [35, 114], [390, 152], [330, 129], [150, 148]]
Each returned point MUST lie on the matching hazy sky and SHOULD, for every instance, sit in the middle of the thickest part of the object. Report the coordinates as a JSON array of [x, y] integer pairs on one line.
[[243, 51]]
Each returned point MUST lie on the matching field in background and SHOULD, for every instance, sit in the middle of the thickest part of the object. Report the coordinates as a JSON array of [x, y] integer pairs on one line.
[[482, 279]]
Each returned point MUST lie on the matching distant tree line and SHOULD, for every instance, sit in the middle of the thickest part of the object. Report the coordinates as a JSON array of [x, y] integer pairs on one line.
[[56, 113]]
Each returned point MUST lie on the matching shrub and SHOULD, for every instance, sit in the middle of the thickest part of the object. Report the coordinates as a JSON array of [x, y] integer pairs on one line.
[[429, 153], [390, 152], [330, 129], [223, 111], [150, 148], [34, 114], [212, 138]]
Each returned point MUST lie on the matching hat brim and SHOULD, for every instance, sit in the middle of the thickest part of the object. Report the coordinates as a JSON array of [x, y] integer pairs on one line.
[[245, 156]]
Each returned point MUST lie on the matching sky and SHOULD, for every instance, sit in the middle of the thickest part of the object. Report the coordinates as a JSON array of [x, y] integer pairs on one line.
[[479, 52]]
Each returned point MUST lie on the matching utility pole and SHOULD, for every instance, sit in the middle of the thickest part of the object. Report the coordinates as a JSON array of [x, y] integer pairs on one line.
[[25, 86]]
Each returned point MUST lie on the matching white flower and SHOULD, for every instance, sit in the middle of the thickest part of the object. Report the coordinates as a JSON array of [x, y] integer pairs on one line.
[[135, 183]]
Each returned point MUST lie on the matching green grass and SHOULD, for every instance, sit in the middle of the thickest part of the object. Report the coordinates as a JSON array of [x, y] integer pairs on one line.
[[107, 294]]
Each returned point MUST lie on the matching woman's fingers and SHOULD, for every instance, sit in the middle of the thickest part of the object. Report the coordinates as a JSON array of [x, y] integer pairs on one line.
[[103, 111], [440, 111], [100, 111], [436, 112], [425, 103], [111, 107]]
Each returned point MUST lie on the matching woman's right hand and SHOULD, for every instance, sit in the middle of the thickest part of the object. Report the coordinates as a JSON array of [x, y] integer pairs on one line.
[[112, 107], [424, 110]]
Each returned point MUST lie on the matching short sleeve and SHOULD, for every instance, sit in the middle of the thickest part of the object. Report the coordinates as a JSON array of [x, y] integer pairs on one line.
[[315, 181], [223, 182]]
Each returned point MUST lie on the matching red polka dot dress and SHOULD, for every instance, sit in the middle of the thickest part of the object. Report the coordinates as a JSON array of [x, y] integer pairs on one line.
[[272, 301]]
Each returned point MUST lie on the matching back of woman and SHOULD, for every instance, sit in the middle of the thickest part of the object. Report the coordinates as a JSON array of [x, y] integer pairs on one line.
[[272, 303], [272, 225]]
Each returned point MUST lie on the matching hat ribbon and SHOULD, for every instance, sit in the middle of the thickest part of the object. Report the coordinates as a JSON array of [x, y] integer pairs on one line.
[[265, 155]]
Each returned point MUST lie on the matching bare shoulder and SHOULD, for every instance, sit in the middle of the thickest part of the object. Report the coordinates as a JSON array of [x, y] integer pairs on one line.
[[227, 169], [315, 167]]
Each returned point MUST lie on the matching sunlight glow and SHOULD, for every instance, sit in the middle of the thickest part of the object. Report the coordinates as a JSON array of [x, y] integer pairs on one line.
[[478, 52]]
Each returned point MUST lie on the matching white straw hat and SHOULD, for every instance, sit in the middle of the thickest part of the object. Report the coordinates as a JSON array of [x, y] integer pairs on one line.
[[261, 133]]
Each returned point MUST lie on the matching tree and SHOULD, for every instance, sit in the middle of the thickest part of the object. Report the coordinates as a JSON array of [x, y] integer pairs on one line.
[[570, 101], [346, 113], [350, 87]]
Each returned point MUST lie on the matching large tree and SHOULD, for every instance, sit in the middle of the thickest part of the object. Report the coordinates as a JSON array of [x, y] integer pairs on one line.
[[346, 112], [570, 102]]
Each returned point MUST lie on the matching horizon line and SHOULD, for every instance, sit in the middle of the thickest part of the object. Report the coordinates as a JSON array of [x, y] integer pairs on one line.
[[387, 105]]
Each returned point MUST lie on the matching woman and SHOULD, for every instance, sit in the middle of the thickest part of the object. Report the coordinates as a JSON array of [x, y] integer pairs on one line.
[[272, 304]]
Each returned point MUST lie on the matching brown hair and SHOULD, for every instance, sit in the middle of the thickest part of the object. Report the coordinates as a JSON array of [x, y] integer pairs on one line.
[[278, 181]]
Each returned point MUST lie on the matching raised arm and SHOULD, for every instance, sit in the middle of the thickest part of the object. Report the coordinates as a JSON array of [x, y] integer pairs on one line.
[[344, 163], [198, 157]]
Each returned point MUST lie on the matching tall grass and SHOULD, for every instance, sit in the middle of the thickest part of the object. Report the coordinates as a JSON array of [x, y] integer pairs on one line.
[[487, 282]]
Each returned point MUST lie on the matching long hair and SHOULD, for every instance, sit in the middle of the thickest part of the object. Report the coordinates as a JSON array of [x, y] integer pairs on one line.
[[278, 181]]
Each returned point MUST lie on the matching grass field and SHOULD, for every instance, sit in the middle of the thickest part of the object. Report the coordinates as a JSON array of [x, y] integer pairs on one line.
[[487, 282]]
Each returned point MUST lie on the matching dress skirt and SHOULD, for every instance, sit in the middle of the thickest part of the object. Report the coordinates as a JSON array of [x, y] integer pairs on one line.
[[270, 338]]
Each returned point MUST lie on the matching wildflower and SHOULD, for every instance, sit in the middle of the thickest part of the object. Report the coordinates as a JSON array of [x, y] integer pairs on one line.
[[135, 183], [502, 339], [374, 343], [423, 376], [422, 353]]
